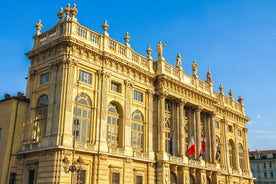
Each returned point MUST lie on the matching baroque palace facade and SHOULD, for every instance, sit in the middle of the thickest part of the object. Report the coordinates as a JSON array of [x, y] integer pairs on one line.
[[99, 113]]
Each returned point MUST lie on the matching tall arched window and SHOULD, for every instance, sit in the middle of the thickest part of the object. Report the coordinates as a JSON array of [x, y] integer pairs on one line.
[[112, 136], [41, 113], [231, 153], [82, 112], [137, 130], [167, 135], [192, 179], [240, 149], [173, 178], [218, 149]]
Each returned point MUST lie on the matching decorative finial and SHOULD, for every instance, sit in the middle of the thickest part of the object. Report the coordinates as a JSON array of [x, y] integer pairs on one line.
[[74, 11], [60, 14], [240, 100], [231, 93], [179, 60], [149, 51], [194, 68], [105, 27], [38, 27], [127, 39], [221, 89], [209, 76], [67, 11]]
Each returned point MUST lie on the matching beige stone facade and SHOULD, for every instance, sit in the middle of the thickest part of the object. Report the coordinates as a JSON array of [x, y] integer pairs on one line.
[[13, 112], [132, 116]]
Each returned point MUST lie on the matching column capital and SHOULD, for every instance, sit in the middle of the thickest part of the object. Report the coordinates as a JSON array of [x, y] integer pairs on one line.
[[103, 74], [162, 94], [199, 108], [128, 83], [150, 92]]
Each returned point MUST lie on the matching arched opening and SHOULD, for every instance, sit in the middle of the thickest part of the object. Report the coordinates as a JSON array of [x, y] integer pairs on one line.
[[82, 114], [114, 125], [41, 113], [192, 179], [137, 131], [241, 156], [231, 153], [173, 178]]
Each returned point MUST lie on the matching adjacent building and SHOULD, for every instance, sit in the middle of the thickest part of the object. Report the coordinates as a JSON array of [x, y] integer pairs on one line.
[[13, 114], [99, 113], [263, 166]]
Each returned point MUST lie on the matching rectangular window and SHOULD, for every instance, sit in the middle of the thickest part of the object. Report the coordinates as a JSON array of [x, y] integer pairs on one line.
[[115, 178], [230, 128], [0, 132], [216, 124], [12, 178], [139, 179], [31, 178], [115, 87], [138, 96], [81, 175], [85, 77], [44, 78], [239, 133]]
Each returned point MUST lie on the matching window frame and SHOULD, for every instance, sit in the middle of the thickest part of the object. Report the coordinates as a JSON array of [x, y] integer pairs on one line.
[[44, 78], [85, 77], [138, 96], [137, 131]]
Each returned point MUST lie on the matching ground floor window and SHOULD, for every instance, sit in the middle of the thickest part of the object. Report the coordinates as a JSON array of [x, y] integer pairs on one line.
[[12, 178]]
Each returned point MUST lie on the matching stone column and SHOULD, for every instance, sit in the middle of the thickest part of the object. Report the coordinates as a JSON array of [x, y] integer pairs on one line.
[[236, 150], [198, 132], [182, 146], [149, 123], [162, 155], [64, 102], [245, 151], [127, 117], [225, 154], [213, 146], [103, 78]]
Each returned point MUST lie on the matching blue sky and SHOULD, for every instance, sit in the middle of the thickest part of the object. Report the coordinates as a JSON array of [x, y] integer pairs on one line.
[[235, 39]]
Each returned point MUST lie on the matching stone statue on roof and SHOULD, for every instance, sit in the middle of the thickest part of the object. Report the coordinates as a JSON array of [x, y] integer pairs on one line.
[[160, 46], [194, 68]]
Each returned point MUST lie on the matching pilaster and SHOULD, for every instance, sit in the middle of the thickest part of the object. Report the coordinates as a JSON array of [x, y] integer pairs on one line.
[[182, 125], [198, 131], [150, 130], [103, 78], [127, 117], [213, 139]]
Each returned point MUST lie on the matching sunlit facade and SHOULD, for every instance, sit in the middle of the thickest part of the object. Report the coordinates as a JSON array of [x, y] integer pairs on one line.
[[132, 116]]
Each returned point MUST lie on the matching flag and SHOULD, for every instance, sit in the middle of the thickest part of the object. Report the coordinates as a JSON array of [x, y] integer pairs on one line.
[[203, 147], [171, 145], [218, 153], [192, 146]]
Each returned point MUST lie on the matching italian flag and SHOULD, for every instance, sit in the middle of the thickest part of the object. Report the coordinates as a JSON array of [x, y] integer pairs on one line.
[[191, 147]]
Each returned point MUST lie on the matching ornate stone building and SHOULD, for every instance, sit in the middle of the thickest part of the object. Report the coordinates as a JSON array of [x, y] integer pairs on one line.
[[102, 113], [263, 166]]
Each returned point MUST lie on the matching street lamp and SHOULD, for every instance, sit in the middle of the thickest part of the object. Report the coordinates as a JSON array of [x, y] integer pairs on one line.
[[75, 166]]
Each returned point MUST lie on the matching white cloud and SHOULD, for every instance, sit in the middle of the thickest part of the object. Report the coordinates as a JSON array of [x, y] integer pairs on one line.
[[259, 116]]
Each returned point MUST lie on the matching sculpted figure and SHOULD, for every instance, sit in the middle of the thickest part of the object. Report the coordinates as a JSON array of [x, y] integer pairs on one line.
[[194, 68]]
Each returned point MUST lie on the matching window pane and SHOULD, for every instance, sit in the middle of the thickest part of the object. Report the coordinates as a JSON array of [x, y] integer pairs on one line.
[[85, 77], [44, 78]]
